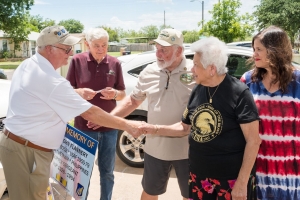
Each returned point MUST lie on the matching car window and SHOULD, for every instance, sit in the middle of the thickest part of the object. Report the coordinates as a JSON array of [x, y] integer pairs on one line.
[[237, 65], [136, 71], [245, 45], [191, 56]]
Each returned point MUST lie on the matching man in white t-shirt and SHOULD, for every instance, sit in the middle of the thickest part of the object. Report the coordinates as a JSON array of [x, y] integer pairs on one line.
[[41, 102]]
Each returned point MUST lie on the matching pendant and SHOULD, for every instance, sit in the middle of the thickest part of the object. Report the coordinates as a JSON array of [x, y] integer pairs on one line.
[[210, 100]]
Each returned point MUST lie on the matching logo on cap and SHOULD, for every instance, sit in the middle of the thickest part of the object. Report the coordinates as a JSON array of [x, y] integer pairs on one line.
[[61, 32]]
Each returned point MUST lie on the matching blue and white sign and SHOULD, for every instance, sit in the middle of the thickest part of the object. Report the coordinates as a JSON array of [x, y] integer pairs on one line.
[[73, 162]]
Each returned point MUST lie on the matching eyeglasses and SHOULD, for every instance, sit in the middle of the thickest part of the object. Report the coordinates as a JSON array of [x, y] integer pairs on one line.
[[167, 84], [66, 50]]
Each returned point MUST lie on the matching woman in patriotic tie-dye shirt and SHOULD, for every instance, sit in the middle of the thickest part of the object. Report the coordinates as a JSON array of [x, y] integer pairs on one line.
[[275, 85]]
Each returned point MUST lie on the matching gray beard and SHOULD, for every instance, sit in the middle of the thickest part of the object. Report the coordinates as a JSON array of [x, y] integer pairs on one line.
[[166, 64]]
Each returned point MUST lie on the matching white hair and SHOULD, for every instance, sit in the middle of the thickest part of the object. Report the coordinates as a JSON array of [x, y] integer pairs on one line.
[[95, 34], [176, 47], [212, 52]]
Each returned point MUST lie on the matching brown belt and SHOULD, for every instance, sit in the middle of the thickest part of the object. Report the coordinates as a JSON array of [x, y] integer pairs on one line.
[[22, 141]]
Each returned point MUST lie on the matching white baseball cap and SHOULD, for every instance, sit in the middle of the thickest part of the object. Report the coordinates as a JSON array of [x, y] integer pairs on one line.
[[56, 34], [169, 37]]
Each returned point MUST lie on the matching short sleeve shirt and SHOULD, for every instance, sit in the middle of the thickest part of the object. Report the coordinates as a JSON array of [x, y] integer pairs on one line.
[[165, 106], [41, 102], [86, 72], [216, 140]]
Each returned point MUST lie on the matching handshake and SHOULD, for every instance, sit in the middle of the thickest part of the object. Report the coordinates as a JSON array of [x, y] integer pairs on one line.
[[137, 128], [134, 128]]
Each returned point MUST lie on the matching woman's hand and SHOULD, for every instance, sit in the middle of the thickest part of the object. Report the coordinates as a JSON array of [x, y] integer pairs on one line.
[[239, 191]]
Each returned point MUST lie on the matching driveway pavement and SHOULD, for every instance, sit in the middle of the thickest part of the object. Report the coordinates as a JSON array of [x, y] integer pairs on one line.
[[9, 73]]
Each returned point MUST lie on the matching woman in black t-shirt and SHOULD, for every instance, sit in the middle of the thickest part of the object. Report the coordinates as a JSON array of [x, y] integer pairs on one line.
[[222, 120]]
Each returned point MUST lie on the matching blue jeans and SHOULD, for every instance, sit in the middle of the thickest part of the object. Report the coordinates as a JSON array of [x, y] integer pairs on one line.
[[106, 159]]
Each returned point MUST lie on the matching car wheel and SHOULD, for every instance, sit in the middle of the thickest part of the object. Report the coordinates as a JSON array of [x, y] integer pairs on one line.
[[129, 149]]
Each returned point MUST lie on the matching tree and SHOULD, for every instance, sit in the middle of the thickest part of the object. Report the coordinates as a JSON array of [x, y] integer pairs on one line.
[[150, 31], [282, 13], [12, 13], [113, 34], [38, 22], [190, 36], [72, 25], [164, 27], [13, 19], [226, 23]]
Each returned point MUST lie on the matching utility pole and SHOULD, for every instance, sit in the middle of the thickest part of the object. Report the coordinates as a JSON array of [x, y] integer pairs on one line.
[[164, 19], [202, 13]]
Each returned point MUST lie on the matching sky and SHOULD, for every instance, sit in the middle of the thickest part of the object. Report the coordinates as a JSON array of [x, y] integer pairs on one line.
[[131, 14]]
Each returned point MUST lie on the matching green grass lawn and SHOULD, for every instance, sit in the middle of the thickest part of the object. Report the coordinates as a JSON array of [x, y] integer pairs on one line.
[[14, 65], [9, 65]]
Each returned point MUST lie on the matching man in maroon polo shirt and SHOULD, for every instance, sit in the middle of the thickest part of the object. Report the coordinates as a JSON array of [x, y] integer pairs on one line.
[[97, 77]]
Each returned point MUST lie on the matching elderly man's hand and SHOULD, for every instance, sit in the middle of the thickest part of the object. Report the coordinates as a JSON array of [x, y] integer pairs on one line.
[[133, 128], [146, 128], [86, 93], [92, 125], [108, 93]]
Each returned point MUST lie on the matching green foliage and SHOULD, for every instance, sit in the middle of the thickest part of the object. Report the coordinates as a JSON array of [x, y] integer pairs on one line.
[[12, 13], [282, 13], [190, 36], [164, 27], [72, 25], [113, 34], [13, 20], [5, 54], [129, 34], [226, 23], [38, 23], [150, 31]]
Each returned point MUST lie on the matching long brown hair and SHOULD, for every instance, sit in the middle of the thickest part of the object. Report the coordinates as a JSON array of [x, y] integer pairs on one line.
[[279, 54]]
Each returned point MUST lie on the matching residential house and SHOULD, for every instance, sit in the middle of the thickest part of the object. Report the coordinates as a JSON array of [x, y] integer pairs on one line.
[[27, 47]]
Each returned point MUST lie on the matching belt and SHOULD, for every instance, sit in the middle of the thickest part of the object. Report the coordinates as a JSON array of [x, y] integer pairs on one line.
[[22, 141]]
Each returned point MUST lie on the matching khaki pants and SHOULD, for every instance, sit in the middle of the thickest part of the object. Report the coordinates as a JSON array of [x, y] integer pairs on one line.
[[26, 170]]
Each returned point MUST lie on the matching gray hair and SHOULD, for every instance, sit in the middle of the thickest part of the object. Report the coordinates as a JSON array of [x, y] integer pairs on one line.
[[95, 34], [213, 52], [176, 46]]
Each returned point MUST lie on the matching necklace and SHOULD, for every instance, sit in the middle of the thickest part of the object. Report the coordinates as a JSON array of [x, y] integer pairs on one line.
[[211, 96]]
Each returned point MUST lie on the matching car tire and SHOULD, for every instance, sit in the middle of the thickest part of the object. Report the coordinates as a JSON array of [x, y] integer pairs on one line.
[[129, 149]]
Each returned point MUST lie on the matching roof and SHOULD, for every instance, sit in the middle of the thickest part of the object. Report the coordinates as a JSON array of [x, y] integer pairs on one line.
[[31, 37]]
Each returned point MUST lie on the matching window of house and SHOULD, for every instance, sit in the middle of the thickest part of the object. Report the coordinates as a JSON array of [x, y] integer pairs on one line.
[[4, 45]]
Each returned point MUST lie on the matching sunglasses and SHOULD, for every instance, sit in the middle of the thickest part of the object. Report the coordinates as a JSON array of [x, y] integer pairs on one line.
[[66, 50]]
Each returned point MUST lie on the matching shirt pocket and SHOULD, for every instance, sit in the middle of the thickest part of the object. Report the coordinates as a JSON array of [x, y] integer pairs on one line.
[[110, 79]]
